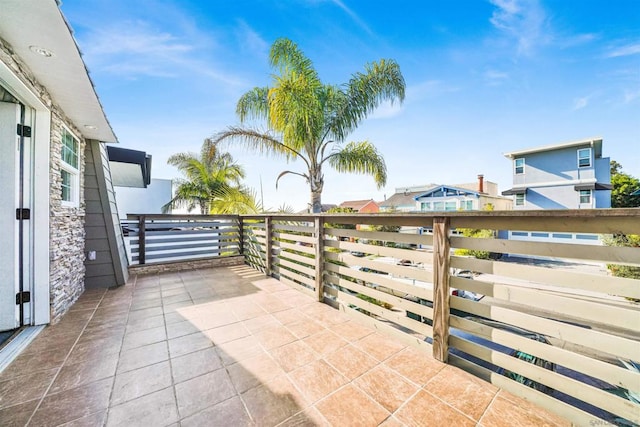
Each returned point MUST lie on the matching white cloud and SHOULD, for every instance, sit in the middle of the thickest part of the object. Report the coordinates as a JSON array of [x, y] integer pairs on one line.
[[626, 50], [580, 103], [353, 16], [522, 20], [495, 77], [250, 40], [386, 110], [630, 96], [136, 48]]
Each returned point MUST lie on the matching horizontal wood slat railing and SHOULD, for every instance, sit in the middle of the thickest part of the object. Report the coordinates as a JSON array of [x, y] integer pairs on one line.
[[543, 319]]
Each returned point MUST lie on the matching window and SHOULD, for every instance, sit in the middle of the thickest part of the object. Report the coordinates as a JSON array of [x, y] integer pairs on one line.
[[450, 206], [584, 157], [520, 199], [519, 166], [438, 206], [425, 206], [585, 197], [466, 205], [70, 169]]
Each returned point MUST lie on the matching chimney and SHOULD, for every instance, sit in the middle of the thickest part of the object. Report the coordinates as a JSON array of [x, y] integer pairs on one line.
[[480, 183]]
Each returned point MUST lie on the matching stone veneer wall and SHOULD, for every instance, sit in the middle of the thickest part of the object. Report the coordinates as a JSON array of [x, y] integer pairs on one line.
[[166, 267], [66, 233]]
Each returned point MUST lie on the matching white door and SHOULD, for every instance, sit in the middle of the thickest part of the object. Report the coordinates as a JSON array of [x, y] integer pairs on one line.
[[15, 248]]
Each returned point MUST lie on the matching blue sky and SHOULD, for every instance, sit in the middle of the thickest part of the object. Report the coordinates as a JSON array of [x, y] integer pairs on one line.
[[483, 78]]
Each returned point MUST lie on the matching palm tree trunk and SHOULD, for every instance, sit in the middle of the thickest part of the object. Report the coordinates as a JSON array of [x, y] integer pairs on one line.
[[316, 182]]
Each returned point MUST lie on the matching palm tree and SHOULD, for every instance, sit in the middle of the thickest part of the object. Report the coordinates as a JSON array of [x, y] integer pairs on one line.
[[212, 184], [310, 120]]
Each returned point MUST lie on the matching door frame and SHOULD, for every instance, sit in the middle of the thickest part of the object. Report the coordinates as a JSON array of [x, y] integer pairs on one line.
[[38, 246]]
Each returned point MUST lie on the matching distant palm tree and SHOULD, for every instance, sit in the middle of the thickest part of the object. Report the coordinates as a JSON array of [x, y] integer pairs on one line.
[[212, 183], [305, 117]]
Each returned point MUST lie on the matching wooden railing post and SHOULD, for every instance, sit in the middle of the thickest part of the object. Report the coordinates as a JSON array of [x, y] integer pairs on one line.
[[240, 235], [441, 260], [268, 245], [141, 239], [319, 234]]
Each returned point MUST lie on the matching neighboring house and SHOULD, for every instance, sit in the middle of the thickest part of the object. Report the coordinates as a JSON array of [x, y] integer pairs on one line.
[[436, 197], [403, 200], [462, 197], [361, 206], [325, 207], [58, 213], [570, 175]]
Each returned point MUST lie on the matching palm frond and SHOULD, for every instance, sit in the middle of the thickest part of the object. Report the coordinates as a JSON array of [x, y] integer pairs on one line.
[[253, 104], [305, 176], [252, 139], [362, 158]]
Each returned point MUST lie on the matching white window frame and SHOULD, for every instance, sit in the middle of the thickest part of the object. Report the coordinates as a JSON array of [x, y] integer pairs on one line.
[[74, 172], [425, 206], [466, 205], [588, 150], [580, 194], [515, 166], [524, 199]]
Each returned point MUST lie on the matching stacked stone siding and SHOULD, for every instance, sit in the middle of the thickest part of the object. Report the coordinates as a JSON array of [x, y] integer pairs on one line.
[[166, 267], [66, 253]]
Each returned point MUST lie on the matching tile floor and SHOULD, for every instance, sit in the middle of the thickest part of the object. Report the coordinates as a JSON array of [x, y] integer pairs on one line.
[[229, 347]]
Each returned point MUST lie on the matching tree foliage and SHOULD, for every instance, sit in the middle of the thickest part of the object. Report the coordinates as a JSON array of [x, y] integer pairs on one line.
[[480, 234], [631, 240], [309, 120], [623, 185], [212, 183]]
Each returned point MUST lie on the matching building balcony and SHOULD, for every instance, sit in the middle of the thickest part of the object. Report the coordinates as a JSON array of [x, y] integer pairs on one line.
[[308, 321]]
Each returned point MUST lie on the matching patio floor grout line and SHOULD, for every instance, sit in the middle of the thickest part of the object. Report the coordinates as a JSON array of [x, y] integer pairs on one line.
[[44, 395]]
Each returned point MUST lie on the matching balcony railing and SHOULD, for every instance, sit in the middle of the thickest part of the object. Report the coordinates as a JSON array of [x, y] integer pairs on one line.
[[541, 319]]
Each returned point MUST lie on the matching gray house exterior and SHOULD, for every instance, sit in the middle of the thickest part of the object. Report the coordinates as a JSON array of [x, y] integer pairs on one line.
[[58, 214], [570, 175]]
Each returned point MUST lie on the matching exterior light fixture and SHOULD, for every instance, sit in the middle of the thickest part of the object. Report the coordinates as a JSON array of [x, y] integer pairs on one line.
[[41, 51]]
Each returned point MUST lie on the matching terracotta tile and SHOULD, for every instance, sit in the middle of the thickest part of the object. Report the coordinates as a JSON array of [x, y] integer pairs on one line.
[[391, 422], [155, 409], [308, 417], [202, 392], [146, 323], [294, 355], [144, 313], [386, 387], [350, 361], [305, 328], [133, 384], [143, 356], [93, 420], [231, 412], [212, 320], [23, 388], [188, 344], [257, 324], [416, 366], [351, 407], [93, 349], [172, 299], [317, 379], [253, 371], [174, 317], [379, 347], [274, 337], [194, 364], [34, 362], [18, 415], [238, 350], [325, 342], [176, 330], [142, 338], [141, 304], [63, 407], [226, 333], [290, 315], [273, 402], [468, 394], [87, 371], [271, 304], [426, 410], [351, 331], [247, 311], [519, 412]]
